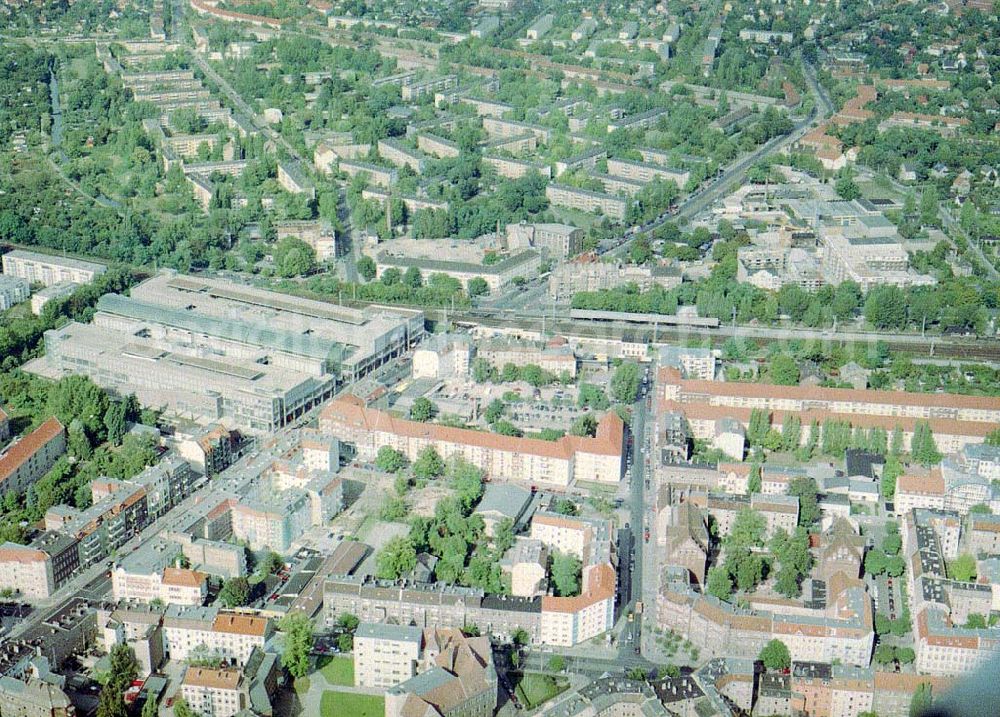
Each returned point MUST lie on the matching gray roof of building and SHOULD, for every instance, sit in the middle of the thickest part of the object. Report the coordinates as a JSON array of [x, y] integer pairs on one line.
[[245, 332], [385, 631], [508, 500]]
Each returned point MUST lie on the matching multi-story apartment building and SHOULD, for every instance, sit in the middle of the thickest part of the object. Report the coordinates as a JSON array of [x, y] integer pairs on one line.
[[412, 203], [587, 273], [555, 359], [843, 631], [984, 534], [511, 168], [26, 570], [518, 145], [820, 689], [172, 586], [401, 155], [190, 632], [526, 563], [328, 152], [560, 241], [586, 540], [780, 511], [460, 679], [536, 461], [955, 420], [618, 186], [44, 269], [586, 161], [13, 290], [438, 146], [319, 235], [385, 655], [486, 108], [643, 172], [293, 178], [31, 457], [547, 620], [379, 176], [442, 356], [213, 692], [924, 406], [643, 120], [563, 195], [413, 91], [497, 276], [941, 606], [568, 621], [693, 362], [687, 541], [945, 126], [497, 128], [33, 697]]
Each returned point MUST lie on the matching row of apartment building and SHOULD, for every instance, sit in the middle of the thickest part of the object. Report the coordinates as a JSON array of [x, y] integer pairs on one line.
[[75, 539], [571, 458]]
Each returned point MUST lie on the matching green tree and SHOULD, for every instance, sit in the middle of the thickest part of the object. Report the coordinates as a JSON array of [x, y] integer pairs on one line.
[[235, 592], [181, 708], [483, 371], [564, 506], [115, 421], [791, 432], [922, 699], [929, 207], [151, 707], [494, 410], [393, 510], [922, 445], [719, 583], [422, 410], [891, 471], [784, 371], [397, 558], [429, 464], [477, 286], [747, 530], [847, 188], [293, 257], [585, 425], [625, 382], [846, 300], [565, 572], [123, 670], [77, 398], [884, 654], [775, 655], [962, 568], [975, 621], [390, 460], [298, 633], [885, 307], [367, 268], [557, 663], [758, 426], [905, 655], [805, 488]]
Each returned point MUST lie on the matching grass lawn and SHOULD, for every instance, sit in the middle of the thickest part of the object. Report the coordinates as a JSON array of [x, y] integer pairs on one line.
[[301, 686], [341, 704], [337, 670], [536, 688]]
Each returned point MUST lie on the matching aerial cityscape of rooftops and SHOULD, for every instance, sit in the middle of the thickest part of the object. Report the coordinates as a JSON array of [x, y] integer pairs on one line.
[[475, 358]]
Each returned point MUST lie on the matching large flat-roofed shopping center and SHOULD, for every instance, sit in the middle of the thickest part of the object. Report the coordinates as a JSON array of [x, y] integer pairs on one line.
[[204, 349]]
